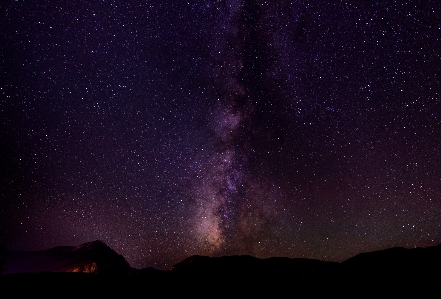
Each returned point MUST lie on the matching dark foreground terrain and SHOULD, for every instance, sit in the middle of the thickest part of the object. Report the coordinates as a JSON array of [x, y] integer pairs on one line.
[[395, 271], [168, 284]]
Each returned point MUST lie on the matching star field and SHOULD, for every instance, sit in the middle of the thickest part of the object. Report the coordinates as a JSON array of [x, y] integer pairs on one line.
[[172, 128]]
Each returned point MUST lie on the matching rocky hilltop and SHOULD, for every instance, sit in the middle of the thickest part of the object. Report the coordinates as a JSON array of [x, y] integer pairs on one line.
[[92, 257]]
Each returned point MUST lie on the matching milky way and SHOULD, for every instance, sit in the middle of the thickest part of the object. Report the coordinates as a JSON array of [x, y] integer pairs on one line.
[[269, 128], [229, 212]]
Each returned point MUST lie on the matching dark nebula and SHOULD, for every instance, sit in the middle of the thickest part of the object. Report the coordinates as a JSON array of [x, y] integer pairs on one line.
[[268, 128]]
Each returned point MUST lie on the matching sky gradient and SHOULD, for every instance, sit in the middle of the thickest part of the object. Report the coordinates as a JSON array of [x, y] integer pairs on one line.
[[173, 128]]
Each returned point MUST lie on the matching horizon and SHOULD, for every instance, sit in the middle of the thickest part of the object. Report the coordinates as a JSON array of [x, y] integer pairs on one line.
[[231, 127], [219, 256]]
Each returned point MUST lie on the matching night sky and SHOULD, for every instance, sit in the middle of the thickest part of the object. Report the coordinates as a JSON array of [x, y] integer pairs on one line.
[[173, 128]]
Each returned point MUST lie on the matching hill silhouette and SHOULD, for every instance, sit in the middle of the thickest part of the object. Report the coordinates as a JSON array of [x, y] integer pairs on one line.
[[395, 262], [248, 266], [96, 257], [91, 257], [384, 269]]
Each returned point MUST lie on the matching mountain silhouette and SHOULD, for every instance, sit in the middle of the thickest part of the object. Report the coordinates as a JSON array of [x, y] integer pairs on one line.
[[248, 266], [395, 262], [91, 257], [394, 270], [96, 257]]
